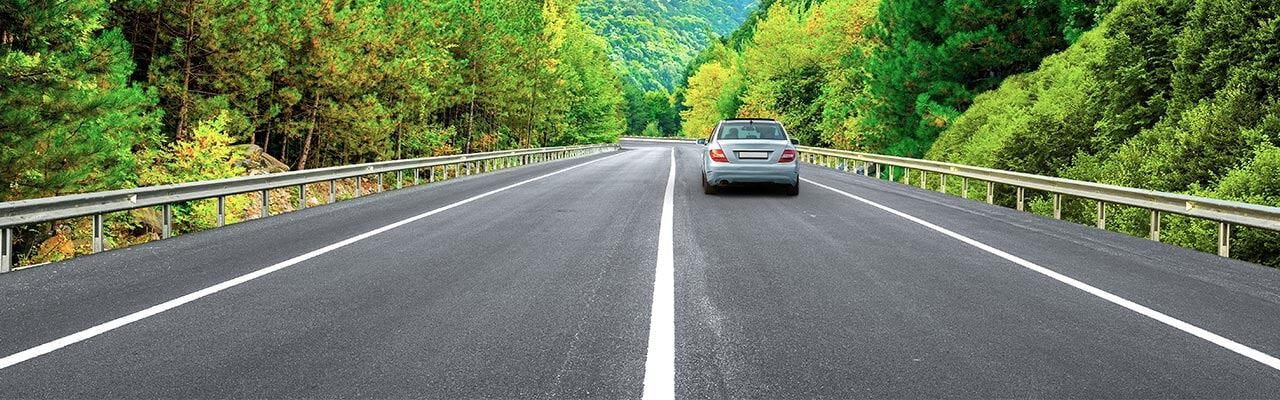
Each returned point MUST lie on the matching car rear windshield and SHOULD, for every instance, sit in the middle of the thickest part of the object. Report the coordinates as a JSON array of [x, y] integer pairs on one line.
[[751, 130]]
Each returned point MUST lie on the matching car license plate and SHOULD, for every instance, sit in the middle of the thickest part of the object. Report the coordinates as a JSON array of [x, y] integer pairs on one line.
[[753, 155]]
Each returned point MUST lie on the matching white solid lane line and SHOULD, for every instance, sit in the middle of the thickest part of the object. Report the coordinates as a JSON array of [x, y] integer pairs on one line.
[[46, 348], [1211, 337], [660, 364]]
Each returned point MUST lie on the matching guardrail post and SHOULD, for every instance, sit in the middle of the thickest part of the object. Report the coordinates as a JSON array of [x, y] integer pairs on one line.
[[400, 179], [991, 193], [417, 176], [942, 183], [6, 250], [1224, 239], [924, 179], [302, 196], [266, 204], [878, 171], [1102, 214], [906, 176], [97, 233], [1057, 206], [431, 175], [1155, 225], [359, 186], [468, 169], [380, 175], [222, 211], [1022, 199], [166, 224], [964, 187]]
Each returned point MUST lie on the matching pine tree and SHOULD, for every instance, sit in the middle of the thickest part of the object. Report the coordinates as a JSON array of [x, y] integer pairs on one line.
[[69, 119]]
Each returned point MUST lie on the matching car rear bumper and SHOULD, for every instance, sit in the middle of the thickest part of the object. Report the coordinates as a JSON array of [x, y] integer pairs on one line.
[[731, 174]]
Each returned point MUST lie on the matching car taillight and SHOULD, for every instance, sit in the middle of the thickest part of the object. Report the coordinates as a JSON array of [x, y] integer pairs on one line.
[[717, 155], [788, 155]]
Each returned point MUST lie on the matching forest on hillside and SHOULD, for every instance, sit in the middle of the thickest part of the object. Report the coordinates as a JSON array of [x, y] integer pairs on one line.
[[652, 44], [653, 41], [1168, 95], [98, 94]]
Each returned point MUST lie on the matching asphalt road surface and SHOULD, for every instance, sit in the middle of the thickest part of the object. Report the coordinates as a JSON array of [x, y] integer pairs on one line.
[[539, 282]]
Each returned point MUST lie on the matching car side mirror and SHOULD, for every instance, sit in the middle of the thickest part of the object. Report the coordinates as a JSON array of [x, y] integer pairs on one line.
[[702, 142], [793, 141]]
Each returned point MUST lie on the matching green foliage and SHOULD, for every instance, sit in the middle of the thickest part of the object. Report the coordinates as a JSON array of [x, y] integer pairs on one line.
[[1257, 181], [712, 95], [205, 154], [88, 86], [69, 118], [652, 44], [653, 41], [1169, 95], [801, 65], [936, 56], [651, 113], [1007, 128]]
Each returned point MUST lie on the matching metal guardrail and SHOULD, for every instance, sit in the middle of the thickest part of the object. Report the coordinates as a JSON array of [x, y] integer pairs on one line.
[[26, 212], [1226, 213]]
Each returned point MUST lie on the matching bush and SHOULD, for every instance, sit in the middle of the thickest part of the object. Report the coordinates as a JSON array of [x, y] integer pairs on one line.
[[206, 154]]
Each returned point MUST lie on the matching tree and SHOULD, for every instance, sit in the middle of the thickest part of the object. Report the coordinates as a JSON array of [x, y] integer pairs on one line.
[[71, 120], [713, 90], [935, 56]]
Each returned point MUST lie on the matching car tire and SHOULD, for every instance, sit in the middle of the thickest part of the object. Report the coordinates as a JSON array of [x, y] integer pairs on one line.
[[707, 188], [794, 190]]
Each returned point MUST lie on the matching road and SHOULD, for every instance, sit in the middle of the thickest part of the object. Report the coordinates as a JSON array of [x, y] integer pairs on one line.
[[540, 282]]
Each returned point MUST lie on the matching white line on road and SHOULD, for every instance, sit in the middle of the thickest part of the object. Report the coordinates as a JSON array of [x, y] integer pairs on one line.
[[660, 364], [65, 341], [1120, 301]]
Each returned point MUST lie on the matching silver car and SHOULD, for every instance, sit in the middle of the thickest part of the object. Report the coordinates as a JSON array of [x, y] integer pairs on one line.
[[749, 151]]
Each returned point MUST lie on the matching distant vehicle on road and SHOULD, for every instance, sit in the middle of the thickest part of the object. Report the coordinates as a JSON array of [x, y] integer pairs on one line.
[[749, 151]]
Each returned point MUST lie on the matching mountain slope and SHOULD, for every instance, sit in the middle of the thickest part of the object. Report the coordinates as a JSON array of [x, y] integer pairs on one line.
[[652, 40]]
